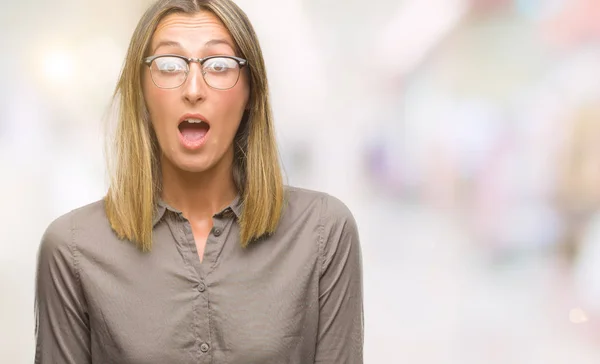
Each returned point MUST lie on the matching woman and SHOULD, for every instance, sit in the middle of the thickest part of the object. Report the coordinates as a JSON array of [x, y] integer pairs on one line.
[[198, 253]]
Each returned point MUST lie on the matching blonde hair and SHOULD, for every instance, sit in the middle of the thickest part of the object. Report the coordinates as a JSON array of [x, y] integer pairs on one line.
[[133, 158]]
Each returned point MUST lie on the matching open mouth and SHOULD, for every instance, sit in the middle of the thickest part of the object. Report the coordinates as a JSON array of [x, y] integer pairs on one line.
[[193, 130]]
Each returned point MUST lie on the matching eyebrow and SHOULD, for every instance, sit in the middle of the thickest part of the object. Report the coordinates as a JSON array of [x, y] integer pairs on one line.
[[217, 42], [166, 43], [210, 43]]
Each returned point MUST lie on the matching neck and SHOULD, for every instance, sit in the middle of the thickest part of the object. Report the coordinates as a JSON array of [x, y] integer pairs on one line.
[[199, 195]]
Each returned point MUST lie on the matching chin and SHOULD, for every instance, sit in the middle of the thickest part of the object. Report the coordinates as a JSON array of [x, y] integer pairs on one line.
[[187, 163], [198, 162], [193, 166]]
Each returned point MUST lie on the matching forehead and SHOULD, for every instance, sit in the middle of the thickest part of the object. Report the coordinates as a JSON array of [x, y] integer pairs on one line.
[[192, 32]]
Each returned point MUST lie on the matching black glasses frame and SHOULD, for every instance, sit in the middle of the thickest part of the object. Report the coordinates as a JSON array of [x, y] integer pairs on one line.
[[240, 61]]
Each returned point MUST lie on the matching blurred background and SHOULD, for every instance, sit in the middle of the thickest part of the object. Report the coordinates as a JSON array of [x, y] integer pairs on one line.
[[463, 134]]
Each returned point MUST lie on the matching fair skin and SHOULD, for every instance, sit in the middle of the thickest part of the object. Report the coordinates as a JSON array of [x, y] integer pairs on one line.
[[197, 181]]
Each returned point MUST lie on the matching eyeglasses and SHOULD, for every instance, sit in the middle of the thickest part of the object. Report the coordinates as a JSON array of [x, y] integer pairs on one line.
[[219, 72]]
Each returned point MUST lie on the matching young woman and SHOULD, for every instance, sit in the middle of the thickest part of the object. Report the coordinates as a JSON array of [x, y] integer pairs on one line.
[[199, 253]]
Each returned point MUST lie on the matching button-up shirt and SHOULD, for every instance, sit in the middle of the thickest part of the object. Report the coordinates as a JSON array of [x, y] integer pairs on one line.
[[292, 297]]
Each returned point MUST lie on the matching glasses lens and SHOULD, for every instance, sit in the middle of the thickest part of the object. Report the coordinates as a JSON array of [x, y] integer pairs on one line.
[[221, 72], [169, 72]]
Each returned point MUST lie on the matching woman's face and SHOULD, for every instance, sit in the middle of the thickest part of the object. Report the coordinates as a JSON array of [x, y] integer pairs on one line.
[[186, 143]]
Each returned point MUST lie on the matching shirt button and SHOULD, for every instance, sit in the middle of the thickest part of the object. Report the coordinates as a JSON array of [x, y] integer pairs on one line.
[[204, 347], [217, 232], [201, 287]]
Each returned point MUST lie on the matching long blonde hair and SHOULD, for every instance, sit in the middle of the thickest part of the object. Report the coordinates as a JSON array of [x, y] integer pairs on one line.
[[133, 154]]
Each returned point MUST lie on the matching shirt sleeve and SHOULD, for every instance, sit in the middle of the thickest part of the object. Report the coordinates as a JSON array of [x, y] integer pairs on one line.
[[341, 328], [62, 325]]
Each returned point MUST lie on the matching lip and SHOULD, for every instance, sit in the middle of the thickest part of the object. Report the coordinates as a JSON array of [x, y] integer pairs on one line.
[[187, 144], [193, 116]]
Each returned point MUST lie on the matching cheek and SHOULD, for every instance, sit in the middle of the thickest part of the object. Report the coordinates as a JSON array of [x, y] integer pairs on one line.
[[237, 100], [157, 102], [233, 106]]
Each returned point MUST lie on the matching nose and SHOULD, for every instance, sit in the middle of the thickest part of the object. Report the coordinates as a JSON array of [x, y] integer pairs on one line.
[[194, 87]]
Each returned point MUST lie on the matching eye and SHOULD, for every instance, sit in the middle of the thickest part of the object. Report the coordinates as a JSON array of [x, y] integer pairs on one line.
[[219, 65], [170, 65]]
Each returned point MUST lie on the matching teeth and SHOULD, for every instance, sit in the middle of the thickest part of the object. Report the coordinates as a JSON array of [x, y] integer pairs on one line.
[[194, 121]]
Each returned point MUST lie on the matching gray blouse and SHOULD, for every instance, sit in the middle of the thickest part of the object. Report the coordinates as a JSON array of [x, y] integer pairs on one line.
[[293, 297]]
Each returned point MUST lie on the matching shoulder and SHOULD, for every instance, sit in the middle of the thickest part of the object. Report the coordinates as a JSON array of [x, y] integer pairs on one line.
[[338, 238], [90, 217], [331, 211], [59, 236]]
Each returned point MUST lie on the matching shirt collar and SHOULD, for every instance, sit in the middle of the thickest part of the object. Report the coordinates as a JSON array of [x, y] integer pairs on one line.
[[236, 206], [159, 212]]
